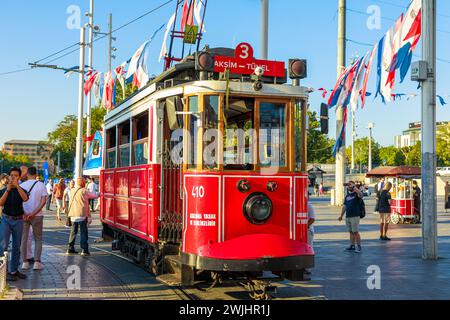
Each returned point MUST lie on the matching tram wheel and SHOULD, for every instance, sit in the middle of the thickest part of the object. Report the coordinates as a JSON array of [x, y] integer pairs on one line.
[[395, 218], [416, 219]]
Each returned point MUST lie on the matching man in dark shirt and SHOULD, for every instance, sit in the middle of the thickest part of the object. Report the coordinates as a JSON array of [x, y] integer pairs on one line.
[[352, 210], [385, 210], [416, 196], [12, 198]]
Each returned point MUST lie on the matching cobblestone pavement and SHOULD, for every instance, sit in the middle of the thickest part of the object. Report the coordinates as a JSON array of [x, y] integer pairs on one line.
[[404, 275], [103, 275], [337, 275]]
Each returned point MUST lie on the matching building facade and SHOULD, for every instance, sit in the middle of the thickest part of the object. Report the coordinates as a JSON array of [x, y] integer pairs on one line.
[[412, 136], [34, 150]]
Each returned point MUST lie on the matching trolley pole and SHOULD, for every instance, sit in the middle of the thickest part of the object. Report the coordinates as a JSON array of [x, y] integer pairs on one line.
[[90, 58], [79, 149], [264, 29], [429, 206], [340, 154]]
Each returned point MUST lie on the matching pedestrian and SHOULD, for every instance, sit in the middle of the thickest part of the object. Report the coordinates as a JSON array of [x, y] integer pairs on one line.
[[49, 187], [66, 197], [352, 209], [310, 236], [321, 189], [80, 216], [447, 196], [3, 182], [378, 188], [58, 193], [385, 211], [316, 189], [416, 196], [12, 198], [93, 188], [34, 218]]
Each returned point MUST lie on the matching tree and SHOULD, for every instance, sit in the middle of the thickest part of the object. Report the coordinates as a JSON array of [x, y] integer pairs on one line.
[[8, 161], [391, 156], [320, 147], [443, 146], [362, 152], [63, 138]]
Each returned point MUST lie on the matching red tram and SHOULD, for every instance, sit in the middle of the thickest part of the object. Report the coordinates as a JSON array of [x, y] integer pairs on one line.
[[178, 186]]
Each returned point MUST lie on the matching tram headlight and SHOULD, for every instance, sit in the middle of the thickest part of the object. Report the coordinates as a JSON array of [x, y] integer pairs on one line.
[[298, 69], [204, 61], [257, 208]]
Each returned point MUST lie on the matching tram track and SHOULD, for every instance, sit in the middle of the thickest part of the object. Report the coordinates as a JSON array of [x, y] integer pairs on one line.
[[225, 291]]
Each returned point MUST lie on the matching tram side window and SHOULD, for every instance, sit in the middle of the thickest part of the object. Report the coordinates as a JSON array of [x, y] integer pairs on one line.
[[239, 135], [194, 125], [111, 148], [140, 139], [272, 134], [124, 144], [211, 131]]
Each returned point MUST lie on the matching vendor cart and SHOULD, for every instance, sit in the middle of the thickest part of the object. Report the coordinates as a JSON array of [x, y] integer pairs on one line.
[[403, 209]]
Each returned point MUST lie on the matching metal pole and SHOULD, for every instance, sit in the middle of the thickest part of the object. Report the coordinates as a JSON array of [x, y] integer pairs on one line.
[[109, 42], [79, 149], [353, 140], [340, 154], [371, 126], [59, 163], [429, 205], [90, 58], [264, 29]]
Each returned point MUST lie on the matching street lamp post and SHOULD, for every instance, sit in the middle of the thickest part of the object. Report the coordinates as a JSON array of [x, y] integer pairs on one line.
[[79, 148], [370, 126]]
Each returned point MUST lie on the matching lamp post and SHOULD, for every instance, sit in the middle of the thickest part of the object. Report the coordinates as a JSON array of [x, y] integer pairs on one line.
[[370, 126]]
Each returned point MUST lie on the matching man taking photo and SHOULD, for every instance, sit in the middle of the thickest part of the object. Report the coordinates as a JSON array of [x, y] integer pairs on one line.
[[12, 198], [352, 209]]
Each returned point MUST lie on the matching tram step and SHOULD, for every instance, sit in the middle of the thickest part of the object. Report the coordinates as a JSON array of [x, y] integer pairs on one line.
[[172, 280], [172, 264]]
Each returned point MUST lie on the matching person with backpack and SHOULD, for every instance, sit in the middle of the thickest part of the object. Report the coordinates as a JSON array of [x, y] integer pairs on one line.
[[354, 210], [385, 211]]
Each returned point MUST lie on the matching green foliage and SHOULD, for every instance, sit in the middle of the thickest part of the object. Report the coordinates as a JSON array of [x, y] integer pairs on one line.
[[7, 161], [63, 138], [362, 152], [391, 156], [443, 146], [320, 147], [129, 90]]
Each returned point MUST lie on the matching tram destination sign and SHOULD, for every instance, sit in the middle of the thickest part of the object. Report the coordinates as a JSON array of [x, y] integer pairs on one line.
[[244, 63]]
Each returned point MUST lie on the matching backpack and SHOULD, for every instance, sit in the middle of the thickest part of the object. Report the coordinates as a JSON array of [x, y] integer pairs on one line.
[[362, 206]]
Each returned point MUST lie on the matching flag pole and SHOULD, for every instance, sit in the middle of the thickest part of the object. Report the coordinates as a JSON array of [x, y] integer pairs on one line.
[[90, 58], [79, 148], [340, 154], [428, 205]]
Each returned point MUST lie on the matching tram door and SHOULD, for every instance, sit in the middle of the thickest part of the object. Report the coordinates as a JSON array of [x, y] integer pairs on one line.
[[171, 174]]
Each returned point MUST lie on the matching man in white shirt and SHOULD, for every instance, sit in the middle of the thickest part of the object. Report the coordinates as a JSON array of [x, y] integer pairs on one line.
[[33, 217], [92, 187], [49, 187]]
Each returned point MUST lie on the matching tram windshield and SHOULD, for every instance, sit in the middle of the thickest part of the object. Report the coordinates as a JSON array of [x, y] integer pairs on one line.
[[244, 134]]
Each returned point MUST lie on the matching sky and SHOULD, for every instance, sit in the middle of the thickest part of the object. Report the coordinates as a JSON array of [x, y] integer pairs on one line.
[[33, 102]]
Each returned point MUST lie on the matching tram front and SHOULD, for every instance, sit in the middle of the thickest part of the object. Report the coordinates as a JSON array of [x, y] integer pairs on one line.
[[245, 186]]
